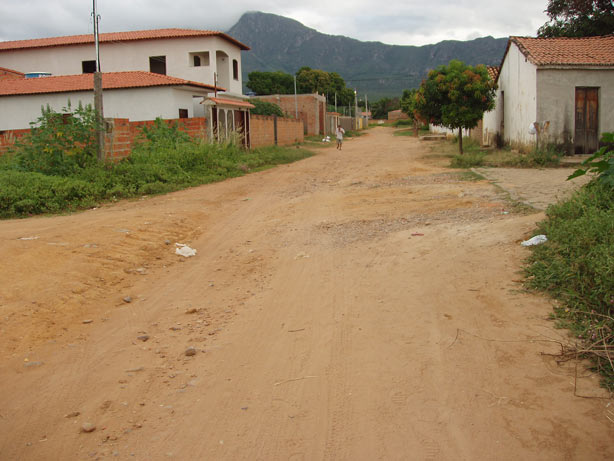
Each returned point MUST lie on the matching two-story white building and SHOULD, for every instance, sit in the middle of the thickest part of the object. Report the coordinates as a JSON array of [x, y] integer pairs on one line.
[[209, 58]]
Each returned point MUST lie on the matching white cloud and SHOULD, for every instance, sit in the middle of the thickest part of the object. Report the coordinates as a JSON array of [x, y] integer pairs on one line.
[[404, 22]]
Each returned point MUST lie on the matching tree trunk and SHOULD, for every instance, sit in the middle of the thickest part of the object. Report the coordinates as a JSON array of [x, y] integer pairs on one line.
[[460, 141], [416, 128]]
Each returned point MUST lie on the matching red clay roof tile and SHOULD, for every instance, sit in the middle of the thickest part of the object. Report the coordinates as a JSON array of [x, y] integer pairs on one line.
[[85, 82], [117, 37], [231, 102], [493, 72], [585, 51]]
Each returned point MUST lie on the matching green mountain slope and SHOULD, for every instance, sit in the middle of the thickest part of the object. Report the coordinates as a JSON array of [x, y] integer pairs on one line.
[[279, 43]]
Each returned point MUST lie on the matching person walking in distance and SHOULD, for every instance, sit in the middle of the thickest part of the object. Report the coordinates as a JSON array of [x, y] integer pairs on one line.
[[339, 134]]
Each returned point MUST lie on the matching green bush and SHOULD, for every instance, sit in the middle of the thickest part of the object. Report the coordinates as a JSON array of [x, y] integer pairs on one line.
[[265, 108], [58, 143], [403, 122], [165, 159], [544, 156], [468, 160], [576, 265], [601, 162]]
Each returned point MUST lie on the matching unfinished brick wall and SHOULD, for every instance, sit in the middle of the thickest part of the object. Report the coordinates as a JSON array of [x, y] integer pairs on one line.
[[262, 131], [121, 133], [311, 109], [8, 138], [397, 115]]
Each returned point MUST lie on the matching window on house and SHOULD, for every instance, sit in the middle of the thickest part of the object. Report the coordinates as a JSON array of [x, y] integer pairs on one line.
[[88, 67], [183, 113], [235, 69], [199, 58], [157, 64]]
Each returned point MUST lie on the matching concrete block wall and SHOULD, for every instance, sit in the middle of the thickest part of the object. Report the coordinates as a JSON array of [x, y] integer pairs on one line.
[[262, 131], [289, 131]]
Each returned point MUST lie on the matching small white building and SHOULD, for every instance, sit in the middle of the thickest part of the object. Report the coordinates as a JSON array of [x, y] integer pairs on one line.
[[134, 95], [563, 86]]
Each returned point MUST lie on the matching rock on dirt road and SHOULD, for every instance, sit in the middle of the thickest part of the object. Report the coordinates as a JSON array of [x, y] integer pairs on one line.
[[363, 304]]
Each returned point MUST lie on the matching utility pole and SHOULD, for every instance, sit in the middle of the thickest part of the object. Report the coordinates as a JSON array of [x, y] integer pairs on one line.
[[295, 100], [335, 101], [356, 107], [98, 91], [367, 107]]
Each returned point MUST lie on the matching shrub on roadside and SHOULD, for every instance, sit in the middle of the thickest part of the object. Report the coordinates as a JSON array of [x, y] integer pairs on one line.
[[58, 143], [265, 108], [576, 266], [164, 160], [468, 160]]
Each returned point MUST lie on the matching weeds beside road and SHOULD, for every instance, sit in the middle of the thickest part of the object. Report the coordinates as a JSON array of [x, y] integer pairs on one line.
[[54, 170]]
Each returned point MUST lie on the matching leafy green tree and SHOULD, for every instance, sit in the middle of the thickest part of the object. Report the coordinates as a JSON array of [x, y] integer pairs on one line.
[[578, 18], [408, 106], [265, 108], [456, 96], [263, 83], [313, 81], [380, 109], [310, 80]]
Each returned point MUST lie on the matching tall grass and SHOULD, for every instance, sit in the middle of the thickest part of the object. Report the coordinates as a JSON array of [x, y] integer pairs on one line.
[[576, 266]]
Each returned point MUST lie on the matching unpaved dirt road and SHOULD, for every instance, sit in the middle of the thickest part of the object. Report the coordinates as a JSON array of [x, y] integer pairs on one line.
[[357, 305]]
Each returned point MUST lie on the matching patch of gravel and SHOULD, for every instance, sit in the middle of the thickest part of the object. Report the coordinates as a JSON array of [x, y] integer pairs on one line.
[[347, 233]]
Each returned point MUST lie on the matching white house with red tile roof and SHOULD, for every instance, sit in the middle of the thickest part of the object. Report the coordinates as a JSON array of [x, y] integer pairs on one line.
[[563, 85], [196, 55], [135, 95], [200, 57]]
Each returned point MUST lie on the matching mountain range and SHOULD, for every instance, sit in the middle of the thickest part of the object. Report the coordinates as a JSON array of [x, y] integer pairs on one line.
[[373, 68]]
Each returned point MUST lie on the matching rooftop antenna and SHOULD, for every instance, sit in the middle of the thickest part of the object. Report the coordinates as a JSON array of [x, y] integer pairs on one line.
[[98, 91]]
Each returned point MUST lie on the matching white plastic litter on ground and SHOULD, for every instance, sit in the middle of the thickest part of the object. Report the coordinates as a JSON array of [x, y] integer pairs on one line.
[[184, 250], [537, 240]]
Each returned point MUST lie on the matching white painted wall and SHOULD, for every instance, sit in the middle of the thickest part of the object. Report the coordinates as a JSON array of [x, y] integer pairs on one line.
[[438, 129], [134, 55], [518, 82], [136, 104], [556, 96], [491, 122]]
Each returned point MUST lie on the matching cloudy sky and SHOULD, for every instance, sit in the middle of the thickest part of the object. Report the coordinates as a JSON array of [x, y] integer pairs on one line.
[[400, 22]]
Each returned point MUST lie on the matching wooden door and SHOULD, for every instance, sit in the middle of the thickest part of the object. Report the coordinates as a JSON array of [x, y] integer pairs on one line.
[[586, 136]]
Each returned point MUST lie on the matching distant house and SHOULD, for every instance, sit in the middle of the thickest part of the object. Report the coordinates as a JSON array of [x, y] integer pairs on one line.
[[134, 95], [397, 115], [201, 56], [560, 89]]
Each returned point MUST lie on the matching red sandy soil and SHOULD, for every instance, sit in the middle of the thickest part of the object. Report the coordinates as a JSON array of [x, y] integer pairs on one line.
[[357, 305]]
